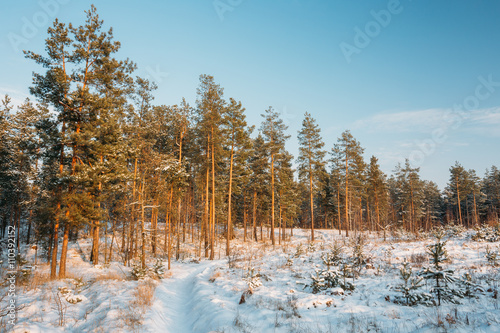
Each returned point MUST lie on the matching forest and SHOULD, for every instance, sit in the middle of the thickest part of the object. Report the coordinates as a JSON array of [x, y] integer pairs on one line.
[[91, 155]]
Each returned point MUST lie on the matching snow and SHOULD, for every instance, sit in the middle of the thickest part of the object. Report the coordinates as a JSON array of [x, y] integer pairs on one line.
[[199, 295], [172, 311]]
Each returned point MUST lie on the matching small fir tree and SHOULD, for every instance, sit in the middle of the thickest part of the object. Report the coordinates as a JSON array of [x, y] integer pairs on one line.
[[409, 288], [436, 273]]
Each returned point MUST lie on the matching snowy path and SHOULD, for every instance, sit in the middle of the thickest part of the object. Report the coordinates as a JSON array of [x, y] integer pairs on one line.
[[171, 311]]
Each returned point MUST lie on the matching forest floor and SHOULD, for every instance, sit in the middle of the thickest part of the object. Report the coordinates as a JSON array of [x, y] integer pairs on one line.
[[261, 288]]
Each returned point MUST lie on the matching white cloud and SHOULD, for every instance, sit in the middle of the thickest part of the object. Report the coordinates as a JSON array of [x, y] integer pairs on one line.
[[405, 121], [482, 122], [17, 97]]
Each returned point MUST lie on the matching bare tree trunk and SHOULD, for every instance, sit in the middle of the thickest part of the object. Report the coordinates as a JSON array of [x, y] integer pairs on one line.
[[338, 210], [458, 202], [272, 200], [212, 253], [311, 201], [475, 208], [254, 216], [229, 225], [244, 220], [53, 264], [168, 227], [347, 221], [64, 251], [178, 228], [143, 233], [208, 225]]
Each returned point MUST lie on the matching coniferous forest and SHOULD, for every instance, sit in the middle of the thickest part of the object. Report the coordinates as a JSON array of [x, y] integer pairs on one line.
[[91, 156]]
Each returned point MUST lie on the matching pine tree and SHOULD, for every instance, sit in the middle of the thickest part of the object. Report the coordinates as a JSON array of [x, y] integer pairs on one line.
[[409, 288], [377, 191], [457, 187], [409, 194], [441, 277], [210, 112], [273, 129], [7, 152], [287, 193], [259, 182], [239, 145], [491, 188], [336, 184], [348, 152], [326, 198], [311, 155], [26, 141], [82, 82], [432, 204], [474, 190]]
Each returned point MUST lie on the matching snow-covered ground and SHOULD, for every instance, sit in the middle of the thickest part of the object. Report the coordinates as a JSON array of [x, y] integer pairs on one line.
[[199, 295]]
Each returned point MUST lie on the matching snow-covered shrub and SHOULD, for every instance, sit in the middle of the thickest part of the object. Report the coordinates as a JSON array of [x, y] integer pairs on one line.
[[454, 230], [158, 269], [79, 284], [409, 288], [388, 252], [487, 233], [311, 247], [20, 260], [492, 256], [323, 280], [333, 257], [64, 291], [73, 299], [139, 273], [326, 279], [401, 234], [24, 276], [299, 250], [358, 256], [467, 287], [252, 279]]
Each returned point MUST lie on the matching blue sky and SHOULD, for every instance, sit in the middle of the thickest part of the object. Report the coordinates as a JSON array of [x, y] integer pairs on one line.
[[420, 79]]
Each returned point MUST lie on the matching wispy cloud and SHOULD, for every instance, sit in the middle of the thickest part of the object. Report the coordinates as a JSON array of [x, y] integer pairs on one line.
[[482, 121], [405, 121], [487, 116], [17, 97]]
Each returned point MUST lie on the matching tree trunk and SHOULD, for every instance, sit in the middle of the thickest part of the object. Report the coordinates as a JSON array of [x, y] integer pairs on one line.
[[272, 199], [311, 200], [347, 221], [212, 241], [458, 202], [338, 209], [244, 220], [143, 234], [229, 226], [475, 208], [254, 216], [178, 228], [207, 217], [168, 227], [64, 251], [53, 264]]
